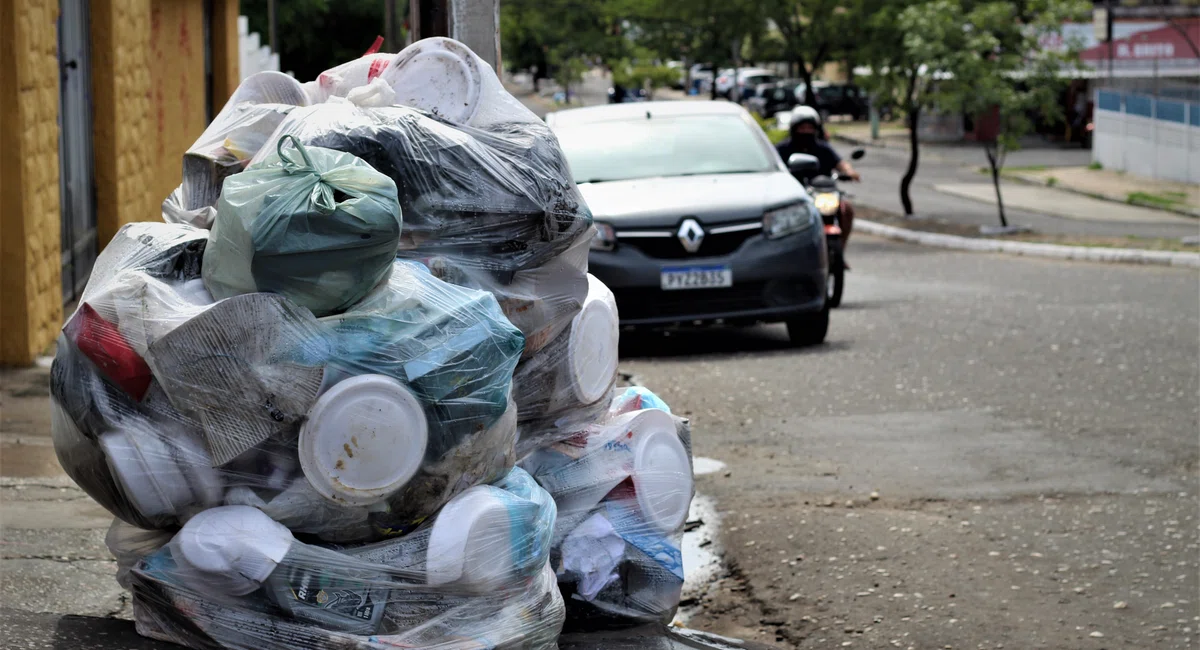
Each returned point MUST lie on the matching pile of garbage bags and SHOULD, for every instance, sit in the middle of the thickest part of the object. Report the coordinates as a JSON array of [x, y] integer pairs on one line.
[[357, 390]]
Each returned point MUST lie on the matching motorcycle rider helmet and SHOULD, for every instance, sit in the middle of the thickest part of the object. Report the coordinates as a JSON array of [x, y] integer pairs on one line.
[[802, 114]]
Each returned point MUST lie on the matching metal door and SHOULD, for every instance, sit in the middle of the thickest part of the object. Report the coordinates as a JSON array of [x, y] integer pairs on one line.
[[76, 186]]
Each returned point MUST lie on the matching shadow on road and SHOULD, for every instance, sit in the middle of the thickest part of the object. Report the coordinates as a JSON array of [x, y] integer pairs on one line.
[[716, 342]]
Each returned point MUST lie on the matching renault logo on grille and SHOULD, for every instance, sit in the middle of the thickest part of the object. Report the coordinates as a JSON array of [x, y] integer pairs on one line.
[[690, 235]]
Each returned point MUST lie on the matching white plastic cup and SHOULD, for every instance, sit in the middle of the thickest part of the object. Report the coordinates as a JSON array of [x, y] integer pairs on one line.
[[578, 367], [363, 440], [161, 476], [662, 479], [593, 343], [641, 445], [230, 549], [471, 542]]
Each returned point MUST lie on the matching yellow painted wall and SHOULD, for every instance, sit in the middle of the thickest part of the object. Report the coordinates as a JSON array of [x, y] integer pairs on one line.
[[122, 130], [148, 105], [30, 258], [177, 89]]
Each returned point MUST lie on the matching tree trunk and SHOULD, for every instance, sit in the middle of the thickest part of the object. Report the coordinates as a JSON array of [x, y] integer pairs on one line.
[[914, 114], [994, 162], [810, 97], [712, 87], [914, 118]]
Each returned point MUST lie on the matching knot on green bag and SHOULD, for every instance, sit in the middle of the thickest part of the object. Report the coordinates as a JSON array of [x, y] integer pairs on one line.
[[322, 195]]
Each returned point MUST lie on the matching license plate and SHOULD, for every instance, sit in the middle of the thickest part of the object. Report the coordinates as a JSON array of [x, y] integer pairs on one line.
[[696, 277]]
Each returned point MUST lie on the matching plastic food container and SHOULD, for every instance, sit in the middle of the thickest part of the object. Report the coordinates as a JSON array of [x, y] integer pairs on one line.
[[363, 440]]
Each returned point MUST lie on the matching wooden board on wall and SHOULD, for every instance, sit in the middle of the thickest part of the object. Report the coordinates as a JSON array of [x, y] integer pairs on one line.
[[177, 87]]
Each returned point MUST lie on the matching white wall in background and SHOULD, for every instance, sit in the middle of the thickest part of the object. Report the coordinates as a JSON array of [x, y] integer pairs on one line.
[[252, 55]]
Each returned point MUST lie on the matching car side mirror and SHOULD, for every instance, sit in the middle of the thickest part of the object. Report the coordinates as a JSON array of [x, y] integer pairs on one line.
[[857, 153], [802, 163]]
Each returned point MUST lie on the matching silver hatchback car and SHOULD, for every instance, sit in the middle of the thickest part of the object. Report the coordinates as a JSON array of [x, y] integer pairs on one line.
[[697, 218]]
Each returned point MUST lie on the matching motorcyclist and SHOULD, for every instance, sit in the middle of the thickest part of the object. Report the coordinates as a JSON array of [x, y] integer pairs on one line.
[[805, 135]]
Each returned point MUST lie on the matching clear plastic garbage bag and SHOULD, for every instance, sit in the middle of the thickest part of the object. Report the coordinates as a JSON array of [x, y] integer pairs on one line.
[[539, 301], [568, 383], [438, 75], [316, 225], [474, 576], [227, 144], [500, 198], [350, 428], [623, 486]]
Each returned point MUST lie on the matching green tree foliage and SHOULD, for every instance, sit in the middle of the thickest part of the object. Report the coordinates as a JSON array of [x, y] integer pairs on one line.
[[315, 35], [815, 32], [982, 59], [1004, 75], [644, 72], [543, 35]]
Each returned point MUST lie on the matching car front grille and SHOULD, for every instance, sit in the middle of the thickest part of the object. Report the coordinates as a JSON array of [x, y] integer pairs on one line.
[[669, 248]]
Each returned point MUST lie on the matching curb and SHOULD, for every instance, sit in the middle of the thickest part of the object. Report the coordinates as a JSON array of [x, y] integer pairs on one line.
[[1051, 251], [1036, 182], [859, 141]]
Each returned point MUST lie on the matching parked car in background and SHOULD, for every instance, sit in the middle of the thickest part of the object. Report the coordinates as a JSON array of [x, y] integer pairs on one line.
[[842, 99], [618, 94], [697, 219], [750, 79], [772, 98], [801, 90], [736, 85], [724, 81], [700, 76]]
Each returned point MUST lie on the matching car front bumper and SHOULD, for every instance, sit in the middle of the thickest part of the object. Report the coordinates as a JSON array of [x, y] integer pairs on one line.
[[773, 280]]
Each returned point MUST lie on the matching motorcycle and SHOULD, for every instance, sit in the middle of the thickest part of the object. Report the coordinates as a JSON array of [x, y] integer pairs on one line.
[[827, 198]]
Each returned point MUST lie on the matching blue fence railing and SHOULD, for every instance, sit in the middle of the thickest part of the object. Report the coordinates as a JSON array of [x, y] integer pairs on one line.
[[1158, 108]]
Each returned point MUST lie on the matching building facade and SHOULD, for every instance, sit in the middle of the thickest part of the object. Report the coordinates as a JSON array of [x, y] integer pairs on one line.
[[98, 100]]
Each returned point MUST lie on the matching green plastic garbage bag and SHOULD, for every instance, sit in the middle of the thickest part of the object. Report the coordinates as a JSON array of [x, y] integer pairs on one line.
[[316, 225]]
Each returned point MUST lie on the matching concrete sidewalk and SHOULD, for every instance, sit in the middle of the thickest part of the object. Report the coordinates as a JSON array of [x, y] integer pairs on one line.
[[1057, 203], [1180, 198], [948, 188]]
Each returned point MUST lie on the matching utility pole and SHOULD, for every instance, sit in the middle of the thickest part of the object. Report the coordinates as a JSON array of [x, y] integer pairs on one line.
[[474, 22], [1108, 30], [389, 26], [272, 27]]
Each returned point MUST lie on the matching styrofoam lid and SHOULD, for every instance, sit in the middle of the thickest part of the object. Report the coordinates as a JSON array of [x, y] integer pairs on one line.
[[471, 540], [230, 549], [592, 347], [363, 440], [146, 469], [662, 475], [438, 75]]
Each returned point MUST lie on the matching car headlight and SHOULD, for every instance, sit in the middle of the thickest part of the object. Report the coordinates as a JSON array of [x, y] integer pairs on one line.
[[605, 238], [827, 203], [789, 219]]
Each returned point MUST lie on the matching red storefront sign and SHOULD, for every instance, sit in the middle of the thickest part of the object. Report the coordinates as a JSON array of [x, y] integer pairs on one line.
[[1162, 43]]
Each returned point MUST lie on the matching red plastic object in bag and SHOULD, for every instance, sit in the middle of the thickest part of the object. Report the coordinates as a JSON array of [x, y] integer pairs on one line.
[[102, 343]]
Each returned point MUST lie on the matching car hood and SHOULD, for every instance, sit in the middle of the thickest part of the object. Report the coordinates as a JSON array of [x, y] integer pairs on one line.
[[715, 198]]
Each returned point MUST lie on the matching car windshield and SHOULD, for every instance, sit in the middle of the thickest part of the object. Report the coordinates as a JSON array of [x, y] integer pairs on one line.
[[685, 145]]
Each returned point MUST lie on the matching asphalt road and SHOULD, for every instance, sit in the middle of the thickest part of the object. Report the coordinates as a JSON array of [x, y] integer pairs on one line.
[[1029, 428]]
